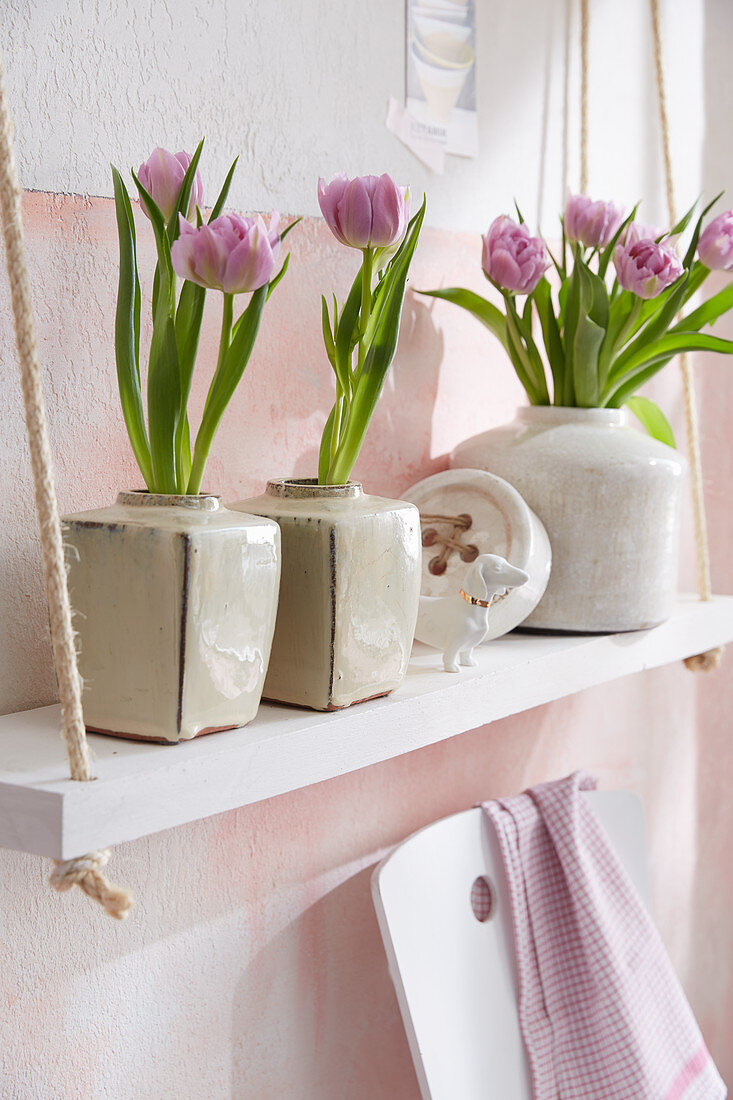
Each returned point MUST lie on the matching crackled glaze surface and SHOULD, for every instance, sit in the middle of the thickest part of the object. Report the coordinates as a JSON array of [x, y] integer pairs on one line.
[[609, 497], [174, 601], [348, 595]]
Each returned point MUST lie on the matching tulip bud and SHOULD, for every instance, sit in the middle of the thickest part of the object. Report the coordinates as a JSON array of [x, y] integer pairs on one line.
[[364, 212], [162, 175], [593, 224], [715, 247]]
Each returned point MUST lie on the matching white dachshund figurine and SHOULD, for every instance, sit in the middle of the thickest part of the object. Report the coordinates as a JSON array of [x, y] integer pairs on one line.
[[459, 622]]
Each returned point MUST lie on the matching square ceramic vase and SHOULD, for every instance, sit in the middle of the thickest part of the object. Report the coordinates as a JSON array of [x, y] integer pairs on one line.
[[349, 592], [174, 601]]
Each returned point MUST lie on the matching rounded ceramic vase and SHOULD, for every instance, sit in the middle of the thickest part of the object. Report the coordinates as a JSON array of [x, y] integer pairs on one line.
[[348, 595], [609, 498], [174, 601]]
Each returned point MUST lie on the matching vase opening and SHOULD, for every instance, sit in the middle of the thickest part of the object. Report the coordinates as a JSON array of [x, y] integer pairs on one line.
[[141, 498], [571, 414], [308, 488]]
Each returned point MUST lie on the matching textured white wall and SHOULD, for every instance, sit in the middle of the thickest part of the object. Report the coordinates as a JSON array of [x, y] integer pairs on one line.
[[300, 88]]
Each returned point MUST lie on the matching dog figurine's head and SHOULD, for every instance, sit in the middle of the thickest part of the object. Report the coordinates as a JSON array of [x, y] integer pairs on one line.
[[497, 574]]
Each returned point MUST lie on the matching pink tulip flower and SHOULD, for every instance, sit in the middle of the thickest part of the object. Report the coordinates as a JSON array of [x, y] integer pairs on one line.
[[593, 224], [647, 268], [162, 175], [715, 247], [512, 258], [232, 253], [637, 231], [365, 212]]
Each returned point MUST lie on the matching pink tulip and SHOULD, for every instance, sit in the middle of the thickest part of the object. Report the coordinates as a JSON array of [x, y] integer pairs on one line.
[[637, 231], [715, 247], [365, 212], [647, 268], [162, 175], [232, 253], [512, 258], [594, 224]]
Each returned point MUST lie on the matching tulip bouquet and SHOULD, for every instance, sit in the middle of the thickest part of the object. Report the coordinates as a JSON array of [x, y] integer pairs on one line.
[[603, 337], [369, 213], [228, 253]]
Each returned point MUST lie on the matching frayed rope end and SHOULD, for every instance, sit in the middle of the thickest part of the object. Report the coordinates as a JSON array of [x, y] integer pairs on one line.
[[86, 873], [707, 661]]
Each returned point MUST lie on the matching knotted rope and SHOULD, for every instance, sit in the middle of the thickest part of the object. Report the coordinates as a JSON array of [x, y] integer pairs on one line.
[[701, 662], [85, 871]]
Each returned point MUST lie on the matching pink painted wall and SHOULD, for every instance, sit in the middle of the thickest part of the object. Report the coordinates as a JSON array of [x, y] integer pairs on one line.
[[252, 965]]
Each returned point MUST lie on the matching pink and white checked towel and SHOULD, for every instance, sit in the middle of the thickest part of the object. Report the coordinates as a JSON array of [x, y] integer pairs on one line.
[[602, 1012]]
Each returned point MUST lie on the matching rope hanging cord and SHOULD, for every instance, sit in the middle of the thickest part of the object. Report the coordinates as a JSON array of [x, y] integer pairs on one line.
[[86, 871], [584, 25], [701, 662]]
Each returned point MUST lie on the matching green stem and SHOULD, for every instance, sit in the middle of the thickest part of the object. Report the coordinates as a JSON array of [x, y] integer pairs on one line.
[[344, 425], [337, 421], [204, 439], [520, 356], [367, 269], [605, 365]]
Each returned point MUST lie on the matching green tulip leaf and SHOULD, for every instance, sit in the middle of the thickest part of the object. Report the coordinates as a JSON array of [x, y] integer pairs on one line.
[[690, 254], [280, 275], [222, 197], [655, 326], [232, 363], [590, 330], [327, 333], [164, 374], [606, 254], [184, 195], [652, 419], [551, 336], [651, 359], [189, 315], [708, 312], [324, 453], [127, 331], [679, 227]]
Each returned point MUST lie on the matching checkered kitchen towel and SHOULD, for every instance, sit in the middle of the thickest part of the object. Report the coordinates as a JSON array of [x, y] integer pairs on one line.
[[602, 1013]]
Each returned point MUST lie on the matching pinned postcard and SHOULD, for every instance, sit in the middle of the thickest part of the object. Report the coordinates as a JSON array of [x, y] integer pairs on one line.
[[441, 76]]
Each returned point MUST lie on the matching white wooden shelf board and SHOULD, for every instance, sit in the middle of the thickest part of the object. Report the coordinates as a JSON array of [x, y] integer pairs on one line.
[[145, 788]]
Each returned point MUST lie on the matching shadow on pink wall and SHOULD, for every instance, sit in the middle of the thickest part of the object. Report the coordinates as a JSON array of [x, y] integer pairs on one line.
[[324, 980]]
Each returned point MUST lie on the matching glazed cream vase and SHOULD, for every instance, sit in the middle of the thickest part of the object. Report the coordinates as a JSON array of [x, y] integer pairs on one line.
[[174, 601], [609, 497], [351, 569]]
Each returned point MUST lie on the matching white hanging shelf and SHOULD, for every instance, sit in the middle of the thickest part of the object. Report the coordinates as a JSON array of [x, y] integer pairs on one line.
[[144, 788]]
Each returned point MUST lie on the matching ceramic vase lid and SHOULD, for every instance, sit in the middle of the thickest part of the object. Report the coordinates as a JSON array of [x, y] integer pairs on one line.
[[464, 513]]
